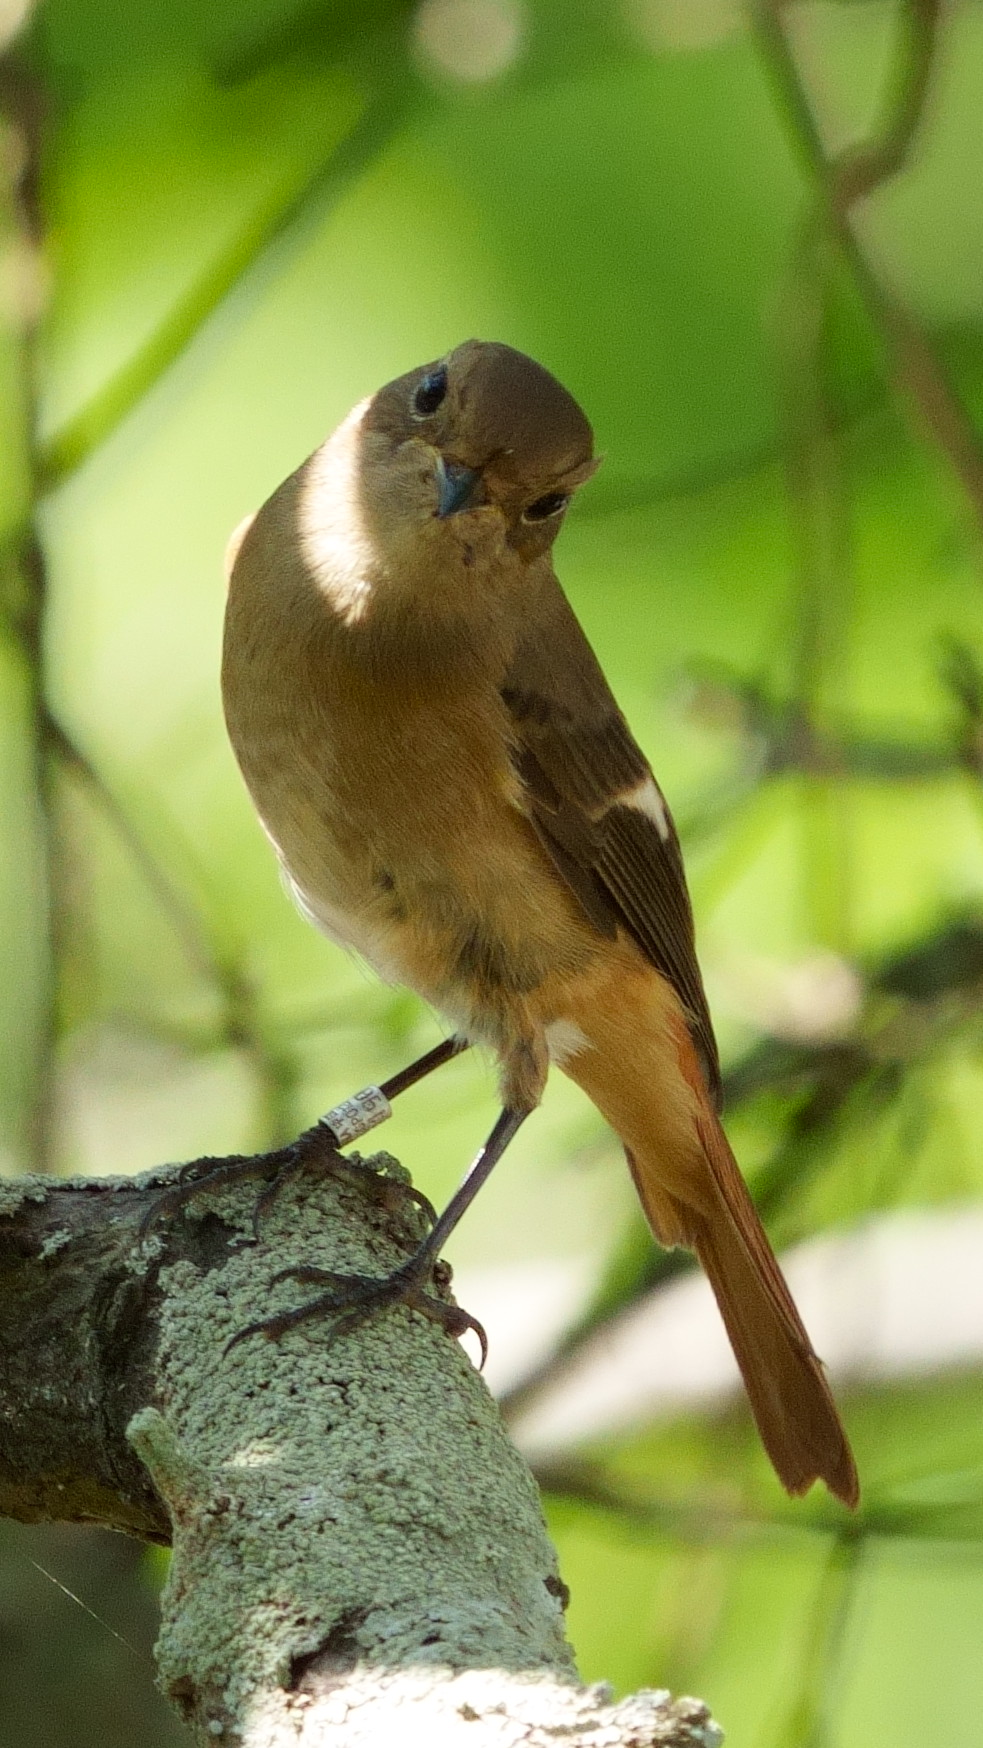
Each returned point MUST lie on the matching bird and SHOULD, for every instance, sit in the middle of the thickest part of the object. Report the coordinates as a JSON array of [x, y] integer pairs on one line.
[[453, 793]]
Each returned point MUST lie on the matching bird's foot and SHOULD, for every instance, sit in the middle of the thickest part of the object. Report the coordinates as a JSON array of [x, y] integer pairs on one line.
[[352, 1299], [319, 1146], [218, 1174], [315, 1149]]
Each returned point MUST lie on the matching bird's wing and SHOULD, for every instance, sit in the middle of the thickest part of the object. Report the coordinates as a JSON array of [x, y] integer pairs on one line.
[[596, 806]]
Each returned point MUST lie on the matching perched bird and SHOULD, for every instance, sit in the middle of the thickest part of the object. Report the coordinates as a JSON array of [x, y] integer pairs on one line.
[[453, 792]]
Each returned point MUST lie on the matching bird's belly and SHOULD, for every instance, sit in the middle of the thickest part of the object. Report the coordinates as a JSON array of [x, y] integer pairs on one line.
[[471, 916], [352, 927]]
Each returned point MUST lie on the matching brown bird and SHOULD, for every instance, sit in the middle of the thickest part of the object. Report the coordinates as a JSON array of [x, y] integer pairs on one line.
[[453, 792]]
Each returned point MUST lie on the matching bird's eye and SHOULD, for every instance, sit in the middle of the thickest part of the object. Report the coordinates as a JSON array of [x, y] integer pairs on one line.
[[428, 394], [543, 508]]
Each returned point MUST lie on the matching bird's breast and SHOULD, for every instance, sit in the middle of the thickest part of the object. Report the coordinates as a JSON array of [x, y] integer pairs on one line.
[[399, 821]]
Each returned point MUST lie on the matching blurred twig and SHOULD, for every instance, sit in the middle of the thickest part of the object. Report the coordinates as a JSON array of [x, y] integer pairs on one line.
[[807, 1720], [944, 1505], [823, 584], [961, 673], [844, 179], [182, 916], [780, 738], [818, 486], [241, 1026], [326, 182], [691, 1521], [25, 605], [776, 737], [22, 108], [860, 168]]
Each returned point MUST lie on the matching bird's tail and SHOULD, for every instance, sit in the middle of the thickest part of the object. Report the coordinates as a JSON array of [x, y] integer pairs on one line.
[[790, 1398], [693, 1194]]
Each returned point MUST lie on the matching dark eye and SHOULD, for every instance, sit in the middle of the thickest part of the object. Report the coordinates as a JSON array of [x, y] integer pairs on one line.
[[545, 507], [429, 393]]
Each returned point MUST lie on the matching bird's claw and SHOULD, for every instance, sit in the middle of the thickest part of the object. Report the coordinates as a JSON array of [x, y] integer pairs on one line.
[[385, 1189], [223, 1172], [352, 1299], [313, 1149]]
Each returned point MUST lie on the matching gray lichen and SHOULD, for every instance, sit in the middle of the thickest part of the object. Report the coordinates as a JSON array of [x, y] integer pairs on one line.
[[355, 1498], [17, 1190]]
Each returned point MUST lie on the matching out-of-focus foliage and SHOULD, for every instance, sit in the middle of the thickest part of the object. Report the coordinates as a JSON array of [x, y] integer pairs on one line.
[[751, 242]]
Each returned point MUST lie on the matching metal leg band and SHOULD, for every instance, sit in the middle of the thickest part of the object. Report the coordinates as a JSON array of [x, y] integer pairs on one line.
[[354, 1117]]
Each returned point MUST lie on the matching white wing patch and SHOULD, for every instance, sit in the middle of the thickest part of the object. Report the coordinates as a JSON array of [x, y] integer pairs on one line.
[[646, 797], [565, 1039]]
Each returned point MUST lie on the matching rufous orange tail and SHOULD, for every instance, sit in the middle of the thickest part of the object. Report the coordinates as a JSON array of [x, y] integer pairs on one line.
[[790, 1398], [641, 1070]]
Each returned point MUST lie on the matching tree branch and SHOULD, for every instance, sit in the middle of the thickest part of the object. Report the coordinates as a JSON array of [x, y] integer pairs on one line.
[[359, 1553]]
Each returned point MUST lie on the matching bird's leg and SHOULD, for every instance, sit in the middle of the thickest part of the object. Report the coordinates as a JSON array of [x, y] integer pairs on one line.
[[320, 1146], [354, 1118], [443, 1052], [351, 1299]]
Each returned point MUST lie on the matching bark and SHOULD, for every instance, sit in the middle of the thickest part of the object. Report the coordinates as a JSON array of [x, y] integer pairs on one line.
[[359, 1554]]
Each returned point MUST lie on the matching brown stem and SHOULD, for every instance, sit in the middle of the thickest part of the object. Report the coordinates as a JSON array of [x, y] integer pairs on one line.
[[843, 180]]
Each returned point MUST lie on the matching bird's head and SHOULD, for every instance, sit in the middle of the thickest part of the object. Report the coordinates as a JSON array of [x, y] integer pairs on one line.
[[484, 429], [421, 519]]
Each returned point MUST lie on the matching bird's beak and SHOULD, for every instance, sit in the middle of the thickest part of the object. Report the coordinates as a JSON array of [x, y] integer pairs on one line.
[[458, 487]]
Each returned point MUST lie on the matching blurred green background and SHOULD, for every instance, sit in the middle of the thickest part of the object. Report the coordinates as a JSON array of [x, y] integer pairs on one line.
[[750, 240]]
